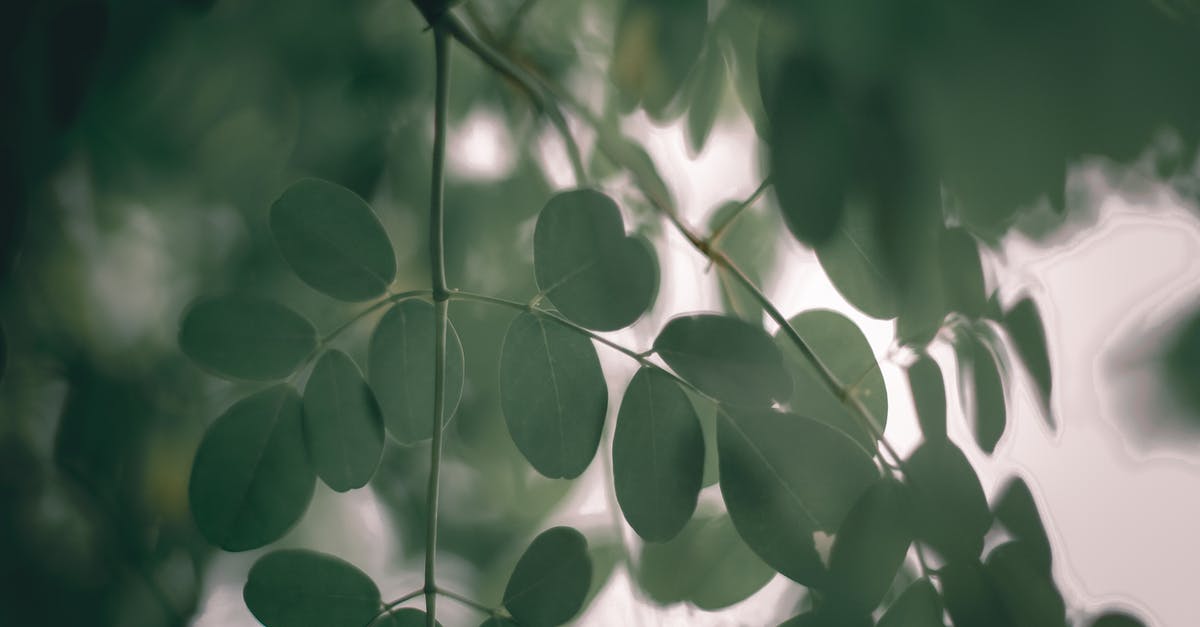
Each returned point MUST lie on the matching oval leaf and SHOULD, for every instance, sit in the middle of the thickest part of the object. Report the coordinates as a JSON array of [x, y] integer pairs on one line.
[[971, 599], [1024, 325], [550, 581], [870, 546], [553, 395], [929, 397], [332, 240], [990, 414], [251, 480], [658, 456], [298, 588], [400, 362], [706, 91], [962, 274], [732, 360], [706, 565], [853, 259], [784, 477], [406, 617], [587, 267], [1025, 590], [843, 348], [342, 423], [1018, 512], [246, 337], [949, 510], [1117, 619], [919, 606]]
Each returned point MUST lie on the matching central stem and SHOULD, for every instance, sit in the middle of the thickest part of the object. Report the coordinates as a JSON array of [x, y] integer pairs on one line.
[[441, 296]]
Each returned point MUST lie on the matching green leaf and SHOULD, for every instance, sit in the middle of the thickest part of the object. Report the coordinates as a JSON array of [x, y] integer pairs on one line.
[[587, 267], [827, 617], [971, 598], [246, 337], [990, 413], [332, 240], [856, 265], [962, 274], [706, 565], [785, 477], [299, 588], [553, 395], [843, 348], [1117, 619], [405, 617], [811, 156], [919, 606], [1025, 590], [929, 397], [750, 241], [870, 546], [3, 353], [657, 43], [730, 359], [342, 423], [251, 480], [550, 581], [950, 511], [658, 456], [705, 92], [1016, 510], [499, 622], [1024, 325], [706, 411], [400, 360]]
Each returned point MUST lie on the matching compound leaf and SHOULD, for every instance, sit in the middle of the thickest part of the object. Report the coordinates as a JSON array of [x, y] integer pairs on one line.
[[332, 240], [553, 395], [251, 480], [300, 588], [400, 361], [246, 337], [550, 581], [658, 456], [342, 423]]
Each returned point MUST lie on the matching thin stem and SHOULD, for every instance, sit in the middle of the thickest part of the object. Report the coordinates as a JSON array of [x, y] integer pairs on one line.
[[441, 312], [391, 605], [490, 611], [720, 228]]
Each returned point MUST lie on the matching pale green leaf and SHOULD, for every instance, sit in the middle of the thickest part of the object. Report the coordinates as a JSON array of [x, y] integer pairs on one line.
[[400, 369], [553, 395], [332, 240], [658, 456], [251, 479], [854, 261], [870, 547], [950, 511], [246, 337], [300, 588], [342, 423], [706, 91], [929, 397], [919, 606]]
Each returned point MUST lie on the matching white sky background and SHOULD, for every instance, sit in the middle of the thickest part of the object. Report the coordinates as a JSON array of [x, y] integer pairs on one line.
[[1121, 508]]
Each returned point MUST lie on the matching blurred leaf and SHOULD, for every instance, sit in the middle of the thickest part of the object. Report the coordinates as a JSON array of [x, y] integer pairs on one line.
[[550, 582], [658, 456], [705, 92], [870, 547], [919, 606], [962, 274], [77, 36], [1116, 619], [498, 622], [1024, 325], [251, 480], [706, 565], [827, 617], [245, 337], [1026, 590], [298, 588], [856, 265], [750, 241], [729, 359], [1016, 510], [587, 267], [990, 413], [1182, 360], [3, 352], [949, 509], [629, 154], [342, 423], [843, 348], [657, 42], [929, 397], [785, 477], [400, 369], [406, 617], [553, 394], [605, 555], [810, 150], [971, 599], [332, 240]]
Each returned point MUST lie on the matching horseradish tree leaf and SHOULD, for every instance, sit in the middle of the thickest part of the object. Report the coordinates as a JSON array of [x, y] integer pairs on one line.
[[246, 337], [342, 423], [550, 581], [300, 588], [730, 359]]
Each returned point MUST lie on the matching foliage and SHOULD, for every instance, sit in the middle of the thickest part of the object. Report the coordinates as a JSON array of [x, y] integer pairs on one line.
[[480, 341]]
